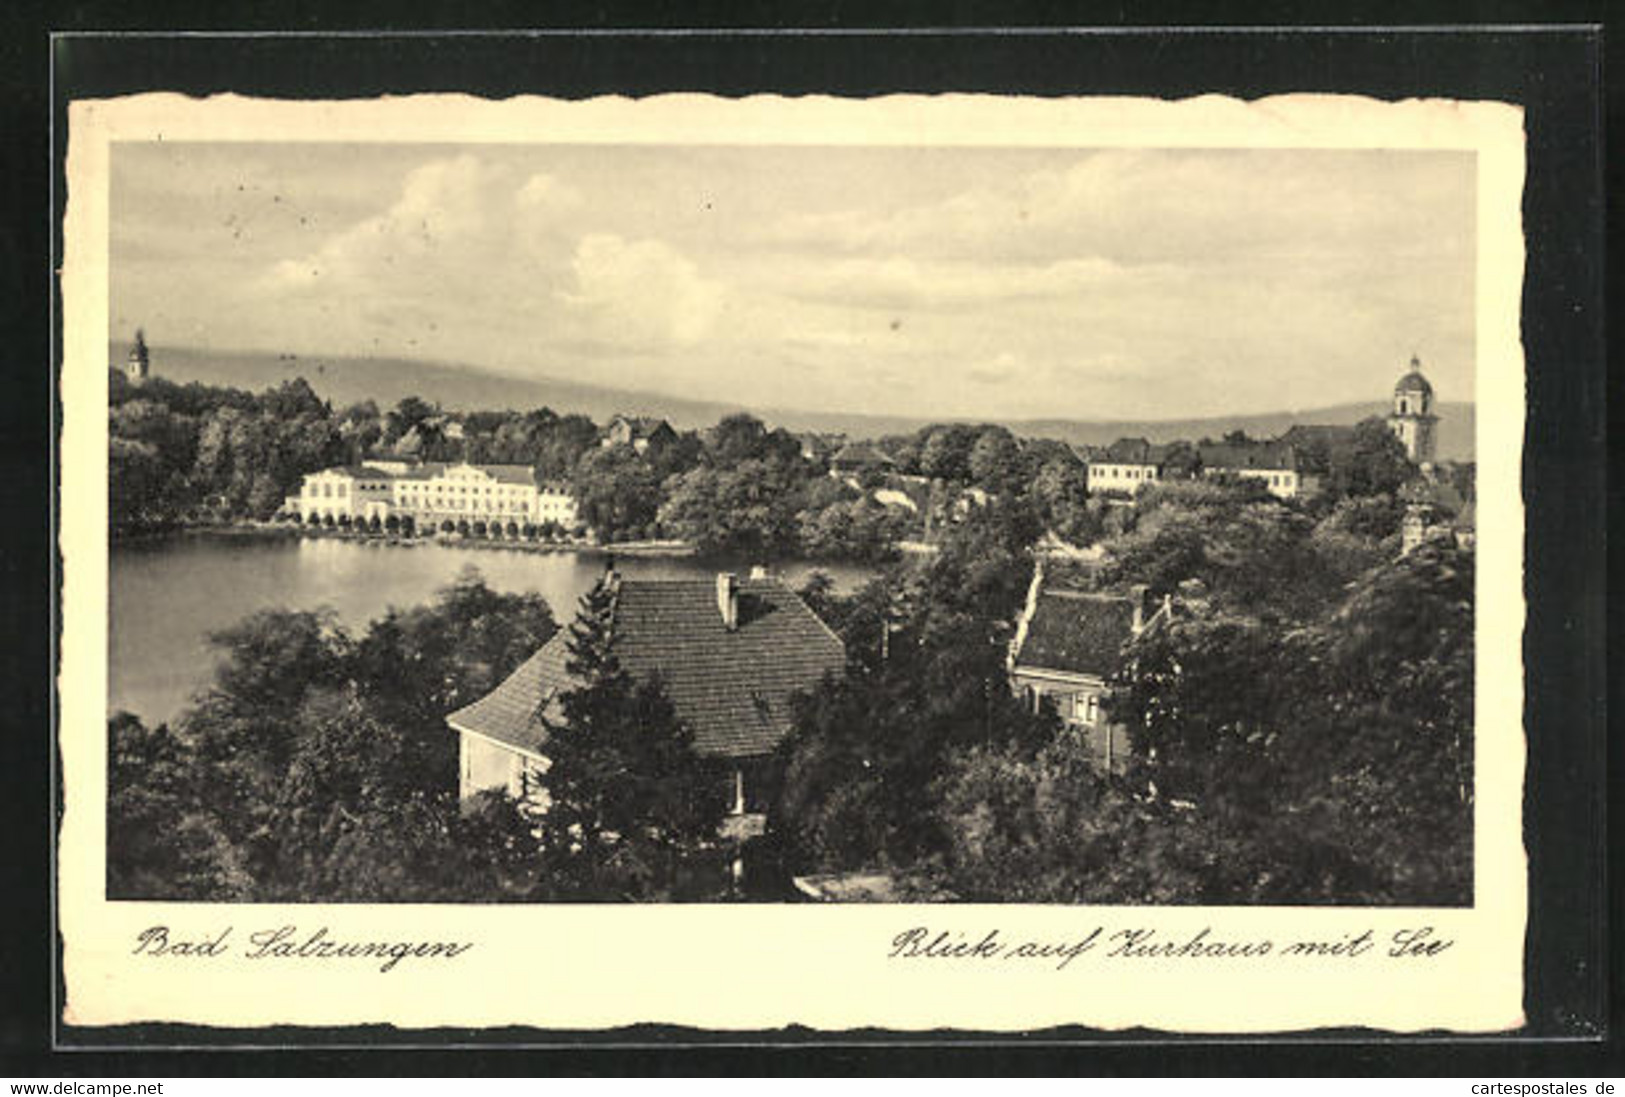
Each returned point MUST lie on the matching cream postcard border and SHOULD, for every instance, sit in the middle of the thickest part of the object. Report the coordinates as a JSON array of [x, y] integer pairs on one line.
[[825, 966]]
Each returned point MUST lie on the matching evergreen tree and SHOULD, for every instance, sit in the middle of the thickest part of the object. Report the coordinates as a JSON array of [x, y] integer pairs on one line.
[[632, 810]]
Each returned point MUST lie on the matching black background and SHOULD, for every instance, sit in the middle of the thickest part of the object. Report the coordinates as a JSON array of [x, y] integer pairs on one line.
[[1554, 72]]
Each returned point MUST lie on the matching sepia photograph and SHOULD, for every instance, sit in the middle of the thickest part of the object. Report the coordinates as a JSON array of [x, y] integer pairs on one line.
[[528, 524], [905, 522]]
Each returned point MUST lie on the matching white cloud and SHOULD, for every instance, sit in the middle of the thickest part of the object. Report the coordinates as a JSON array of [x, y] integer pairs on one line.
[[453, 216], [1136, 206], [642, 290]]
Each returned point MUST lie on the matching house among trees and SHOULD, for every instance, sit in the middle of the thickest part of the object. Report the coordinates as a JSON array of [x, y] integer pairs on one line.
[[729, 655], [1067, 646], [1276, 464], [1433, 509], [857, 458], [638, 431], [1128, 464]]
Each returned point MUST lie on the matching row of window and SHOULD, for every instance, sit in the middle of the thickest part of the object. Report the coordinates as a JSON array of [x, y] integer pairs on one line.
[[327, 489], [1117, 472]]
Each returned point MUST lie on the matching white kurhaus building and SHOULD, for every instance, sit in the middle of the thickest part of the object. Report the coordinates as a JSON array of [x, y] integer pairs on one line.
[[433, 493]]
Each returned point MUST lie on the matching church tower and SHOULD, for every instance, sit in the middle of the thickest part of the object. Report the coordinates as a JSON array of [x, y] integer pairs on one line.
[[1412, 420], [138, 365]]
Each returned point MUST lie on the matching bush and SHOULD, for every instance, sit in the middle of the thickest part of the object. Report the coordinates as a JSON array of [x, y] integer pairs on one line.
[[462, 526], [447, 526], [374, 525], [327, 520], [479, 529], [344, 521], [513, 529], [408, 525], [392, 524]]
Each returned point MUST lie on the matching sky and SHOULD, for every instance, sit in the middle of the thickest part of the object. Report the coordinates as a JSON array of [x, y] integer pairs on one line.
[[977, 283]]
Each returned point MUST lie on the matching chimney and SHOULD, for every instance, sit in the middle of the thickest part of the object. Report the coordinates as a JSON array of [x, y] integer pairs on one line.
[[760, 571], [728, 599], [1136, 595]]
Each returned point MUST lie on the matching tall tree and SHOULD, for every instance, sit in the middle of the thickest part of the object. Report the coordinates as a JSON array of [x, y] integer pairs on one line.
[[632, 810]]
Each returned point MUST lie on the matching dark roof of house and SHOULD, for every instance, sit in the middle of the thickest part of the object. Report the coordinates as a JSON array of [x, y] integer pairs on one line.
[[641, 426], [732, 688], [1252, 455], [861, 453], [1078, 632], [1131, 451]]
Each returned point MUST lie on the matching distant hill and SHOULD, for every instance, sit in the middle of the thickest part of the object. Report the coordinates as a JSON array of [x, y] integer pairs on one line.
[[387, 380]]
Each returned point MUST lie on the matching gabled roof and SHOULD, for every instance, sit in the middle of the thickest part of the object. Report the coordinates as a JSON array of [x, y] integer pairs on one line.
[[1077, 632], [1131, 451], [1252, 455], [641, 426], [732, 688], [861, 453]]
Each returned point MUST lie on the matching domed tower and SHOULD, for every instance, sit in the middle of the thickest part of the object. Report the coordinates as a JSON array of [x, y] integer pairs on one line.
[[1412, 419], [139, 364]]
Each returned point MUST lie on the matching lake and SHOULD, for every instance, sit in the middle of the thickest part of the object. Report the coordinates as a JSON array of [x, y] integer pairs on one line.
[[167, 596]]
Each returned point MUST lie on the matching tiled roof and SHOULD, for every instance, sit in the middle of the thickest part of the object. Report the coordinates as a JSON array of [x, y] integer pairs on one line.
[[731, 687], [861, 453], [512, 712], [1132, 451], [1077, 632], [1252, 455]]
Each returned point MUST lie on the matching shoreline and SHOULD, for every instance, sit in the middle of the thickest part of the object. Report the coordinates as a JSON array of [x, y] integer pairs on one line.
[[654, 549], [250, 529]]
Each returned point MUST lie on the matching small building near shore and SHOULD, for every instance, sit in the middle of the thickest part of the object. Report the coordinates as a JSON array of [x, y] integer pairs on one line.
[[730, 655]]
